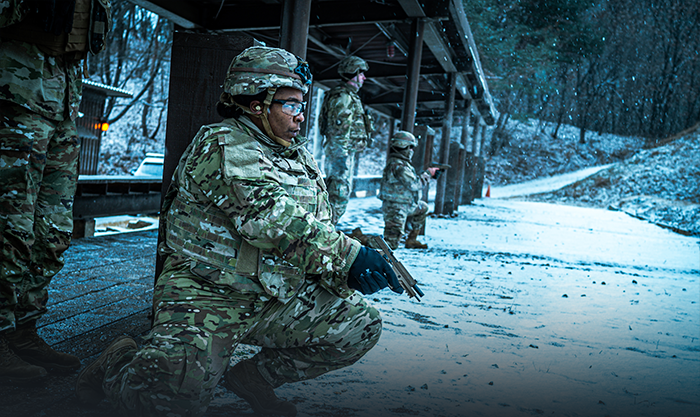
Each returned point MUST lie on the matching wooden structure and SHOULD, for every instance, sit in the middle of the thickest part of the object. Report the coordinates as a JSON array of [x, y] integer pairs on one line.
[[91, 124], [422, 56]]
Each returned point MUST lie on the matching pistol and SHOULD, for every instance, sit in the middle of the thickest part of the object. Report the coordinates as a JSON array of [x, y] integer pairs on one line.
[[439, 165], [405, 279]]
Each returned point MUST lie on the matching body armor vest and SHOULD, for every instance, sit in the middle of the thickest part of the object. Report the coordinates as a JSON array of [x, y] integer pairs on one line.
[[406, 189], [328, 128], [207, 235], [91, 22]]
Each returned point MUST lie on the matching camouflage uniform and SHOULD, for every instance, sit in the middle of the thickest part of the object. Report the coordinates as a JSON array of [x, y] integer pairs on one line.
[[347, 128], [41, 87], [251, 257], [400, 192]]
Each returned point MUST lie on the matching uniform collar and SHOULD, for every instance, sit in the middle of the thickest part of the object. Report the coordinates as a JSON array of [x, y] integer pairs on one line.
[[261, 137]]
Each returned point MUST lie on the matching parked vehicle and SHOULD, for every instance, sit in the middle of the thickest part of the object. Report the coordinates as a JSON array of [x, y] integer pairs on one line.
[[152, 165]]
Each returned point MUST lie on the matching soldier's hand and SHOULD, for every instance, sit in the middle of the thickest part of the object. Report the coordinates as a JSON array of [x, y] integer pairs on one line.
[[371, 272]]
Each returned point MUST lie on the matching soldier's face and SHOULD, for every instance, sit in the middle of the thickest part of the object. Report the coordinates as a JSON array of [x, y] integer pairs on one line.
[[358, 80], [282, 124]]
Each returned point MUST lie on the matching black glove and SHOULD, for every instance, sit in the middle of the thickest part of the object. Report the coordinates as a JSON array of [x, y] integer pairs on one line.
[[371, 272]]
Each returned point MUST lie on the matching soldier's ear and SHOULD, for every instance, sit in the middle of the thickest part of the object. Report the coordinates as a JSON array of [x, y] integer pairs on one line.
[[256, 107]]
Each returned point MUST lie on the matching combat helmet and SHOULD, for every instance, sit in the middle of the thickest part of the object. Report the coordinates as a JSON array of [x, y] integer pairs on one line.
[[403, 139], [351, 66], [264, 69], [259, 68]]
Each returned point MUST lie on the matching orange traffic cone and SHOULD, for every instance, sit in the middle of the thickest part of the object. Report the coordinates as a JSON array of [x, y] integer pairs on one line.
[[488, 191]]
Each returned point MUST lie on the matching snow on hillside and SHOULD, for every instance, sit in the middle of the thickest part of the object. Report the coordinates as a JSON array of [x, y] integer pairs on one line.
[[661, 185]]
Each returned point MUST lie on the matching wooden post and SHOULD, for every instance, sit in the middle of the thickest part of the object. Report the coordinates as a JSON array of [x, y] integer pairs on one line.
[[445, 145], [451, 202], [294, 30], [422, 156], [468, 186], [462, 161], [294, 35], [472, 172], [198, 68], [410, 96]]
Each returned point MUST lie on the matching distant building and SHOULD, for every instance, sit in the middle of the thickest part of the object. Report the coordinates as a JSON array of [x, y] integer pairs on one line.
[[91, 123]]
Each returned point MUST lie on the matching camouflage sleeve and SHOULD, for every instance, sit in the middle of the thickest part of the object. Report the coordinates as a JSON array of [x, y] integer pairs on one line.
[[263, 212], [10, 12]]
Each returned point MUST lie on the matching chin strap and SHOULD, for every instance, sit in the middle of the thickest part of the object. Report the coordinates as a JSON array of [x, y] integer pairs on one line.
[[263, 117], [266, 122]]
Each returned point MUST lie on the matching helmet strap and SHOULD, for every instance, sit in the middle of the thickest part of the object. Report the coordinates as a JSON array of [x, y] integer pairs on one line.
[[266, 123]]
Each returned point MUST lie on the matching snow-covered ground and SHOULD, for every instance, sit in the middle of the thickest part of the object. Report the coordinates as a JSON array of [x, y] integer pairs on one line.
[[543, 185], [529, 309]]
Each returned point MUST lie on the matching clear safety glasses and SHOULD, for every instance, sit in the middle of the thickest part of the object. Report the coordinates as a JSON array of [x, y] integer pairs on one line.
[[291, 107]]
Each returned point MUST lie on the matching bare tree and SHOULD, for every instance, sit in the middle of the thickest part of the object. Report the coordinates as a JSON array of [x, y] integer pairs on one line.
[[137, 54]]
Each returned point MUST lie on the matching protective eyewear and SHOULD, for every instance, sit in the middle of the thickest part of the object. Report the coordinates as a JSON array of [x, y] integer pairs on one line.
[[291, 107]]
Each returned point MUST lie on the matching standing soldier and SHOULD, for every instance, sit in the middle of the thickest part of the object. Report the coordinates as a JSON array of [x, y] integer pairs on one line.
[[400, 192], [250, 257], [347, 128], [43, 46]]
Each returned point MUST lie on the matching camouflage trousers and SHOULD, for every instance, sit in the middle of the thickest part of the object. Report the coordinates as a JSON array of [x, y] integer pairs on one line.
[[197, 325], [38, 177], [397, 215], [339, 166]]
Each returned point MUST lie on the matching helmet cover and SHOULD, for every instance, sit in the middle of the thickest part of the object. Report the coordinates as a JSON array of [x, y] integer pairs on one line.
[[403, 139], [352, 65], [259, 67]]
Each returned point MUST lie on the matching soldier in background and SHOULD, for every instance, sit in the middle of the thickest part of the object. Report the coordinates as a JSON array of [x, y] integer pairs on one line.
[[400, 192], [347, 128], [43, 46], [250, 256]]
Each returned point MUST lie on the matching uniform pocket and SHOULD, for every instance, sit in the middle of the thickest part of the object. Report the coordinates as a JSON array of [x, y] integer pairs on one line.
[[14, 181]]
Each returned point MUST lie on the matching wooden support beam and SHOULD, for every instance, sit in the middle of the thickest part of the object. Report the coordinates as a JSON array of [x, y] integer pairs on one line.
[[294, 31], [445, 146], [415, 49], [294, 37], [462, 160]]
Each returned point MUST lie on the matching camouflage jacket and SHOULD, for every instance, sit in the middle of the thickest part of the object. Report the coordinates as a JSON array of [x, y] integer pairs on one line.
[[343, 120], [400, 183], [48, 85], [254, 215]]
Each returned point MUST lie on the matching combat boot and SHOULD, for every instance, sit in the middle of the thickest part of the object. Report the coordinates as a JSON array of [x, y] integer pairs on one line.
[[26, 343], [88, 387], [413, 243], [245, 380], [14, 369]]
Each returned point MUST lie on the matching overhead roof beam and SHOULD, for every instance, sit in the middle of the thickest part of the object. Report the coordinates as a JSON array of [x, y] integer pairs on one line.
[[173, 11]]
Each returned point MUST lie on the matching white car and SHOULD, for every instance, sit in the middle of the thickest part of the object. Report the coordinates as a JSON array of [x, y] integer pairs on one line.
[[151, 166]]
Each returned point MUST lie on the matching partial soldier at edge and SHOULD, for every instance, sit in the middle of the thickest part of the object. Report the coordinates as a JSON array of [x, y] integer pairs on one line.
[[43, 47]]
